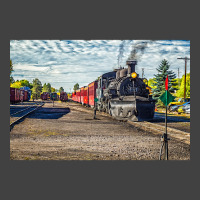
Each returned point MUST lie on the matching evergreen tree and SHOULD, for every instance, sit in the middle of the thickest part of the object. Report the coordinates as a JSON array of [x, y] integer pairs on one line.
[[45, 88], [61, 90], [159, 84], [11, 70], [76, 86], [49, 87], [37, 88]]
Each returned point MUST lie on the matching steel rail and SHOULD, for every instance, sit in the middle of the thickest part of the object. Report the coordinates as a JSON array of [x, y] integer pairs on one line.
[[19, 118], [21, 110]]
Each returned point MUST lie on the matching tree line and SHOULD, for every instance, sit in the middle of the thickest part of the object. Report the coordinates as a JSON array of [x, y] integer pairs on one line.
[[36, 85], [157, 83]]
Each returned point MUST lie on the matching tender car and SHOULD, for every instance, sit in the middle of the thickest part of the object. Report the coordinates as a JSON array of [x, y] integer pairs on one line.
[[183, 108]]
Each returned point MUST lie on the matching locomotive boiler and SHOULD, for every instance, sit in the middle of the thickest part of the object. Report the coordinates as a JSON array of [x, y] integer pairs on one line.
[[124, 95]]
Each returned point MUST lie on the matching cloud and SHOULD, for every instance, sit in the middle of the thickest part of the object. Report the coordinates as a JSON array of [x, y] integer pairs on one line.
[[66, 62]]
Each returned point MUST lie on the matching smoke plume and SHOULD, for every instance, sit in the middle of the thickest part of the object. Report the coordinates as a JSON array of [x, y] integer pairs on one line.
[[121, 52], [138, 50]]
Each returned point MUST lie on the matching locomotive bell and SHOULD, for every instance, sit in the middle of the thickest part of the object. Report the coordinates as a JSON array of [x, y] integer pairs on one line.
[[131, 65]]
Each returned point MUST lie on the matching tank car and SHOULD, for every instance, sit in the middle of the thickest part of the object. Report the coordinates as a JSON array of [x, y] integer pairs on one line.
[[124, 95]]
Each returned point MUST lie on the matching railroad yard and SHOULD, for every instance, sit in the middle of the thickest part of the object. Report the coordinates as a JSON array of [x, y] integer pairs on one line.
[[67, 131]]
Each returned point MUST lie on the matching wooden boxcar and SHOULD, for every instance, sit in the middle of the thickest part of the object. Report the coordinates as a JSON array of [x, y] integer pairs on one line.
[[63, 96], [25, 95], [14, 95], [44, 96]]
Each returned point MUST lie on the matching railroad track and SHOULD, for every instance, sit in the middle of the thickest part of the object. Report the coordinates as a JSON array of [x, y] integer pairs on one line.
[[21, 113]]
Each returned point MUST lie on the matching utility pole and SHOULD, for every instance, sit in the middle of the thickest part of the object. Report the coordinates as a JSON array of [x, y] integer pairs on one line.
[[186, 59]]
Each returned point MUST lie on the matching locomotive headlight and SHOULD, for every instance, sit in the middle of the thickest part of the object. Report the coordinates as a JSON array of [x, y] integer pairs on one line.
[[134, 75]]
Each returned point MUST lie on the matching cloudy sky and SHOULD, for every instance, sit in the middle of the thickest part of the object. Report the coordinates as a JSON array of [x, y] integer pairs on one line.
[[67, 62]]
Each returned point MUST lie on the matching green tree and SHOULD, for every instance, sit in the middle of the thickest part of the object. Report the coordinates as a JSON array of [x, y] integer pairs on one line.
[[159, 84], [49, 87], [180, 92], [151, 81], [53, 89], [16, 84], [21, 83], [11, 70], [76, 86], [25, 83], [45, 88], [61, 89], [37, 88]]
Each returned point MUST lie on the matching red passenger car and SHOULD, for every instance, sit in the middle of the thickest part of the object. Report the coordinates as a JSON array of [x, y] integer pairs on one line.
[[92, 92], [78, 95], [73, 96], [82, 94], [86, 95]]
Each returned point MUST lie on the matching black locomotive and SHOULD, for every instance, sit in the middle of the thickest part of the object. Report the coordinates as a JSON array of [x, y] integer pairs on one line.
[[124, 95]]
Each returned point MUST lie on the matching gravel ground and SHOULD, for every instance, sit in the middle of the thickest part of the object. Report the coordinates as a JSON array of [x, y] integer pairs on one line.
[[68, 131]]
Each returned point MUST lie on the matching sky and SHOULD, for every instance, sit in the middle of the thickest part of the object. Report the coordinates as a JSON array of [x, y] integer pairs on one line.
[[63, 63]]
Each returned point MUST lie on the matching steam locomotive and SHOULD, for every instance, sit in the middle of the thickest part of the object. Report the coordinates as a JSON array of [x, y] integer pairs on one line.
[[121, 93]]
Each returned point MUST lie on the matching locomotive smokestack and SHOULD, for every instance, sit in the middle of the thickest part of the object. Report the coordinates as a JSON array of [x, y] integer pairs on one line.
[[131, 65]]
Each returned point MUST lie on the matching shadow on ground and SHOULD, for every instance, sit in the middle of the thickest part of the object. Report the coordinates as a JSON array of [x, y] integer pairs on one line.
[[160, 117], [49, 113]]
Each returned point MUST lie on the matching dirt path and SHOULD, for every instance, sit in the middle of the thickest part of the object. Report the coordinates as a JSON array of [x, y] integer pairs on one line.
[[66, 132]]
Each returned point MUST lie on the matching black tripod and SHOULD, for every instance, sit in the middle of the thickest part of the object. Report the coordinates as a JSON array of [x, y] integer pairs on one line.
[[164, 145], [164, 141]]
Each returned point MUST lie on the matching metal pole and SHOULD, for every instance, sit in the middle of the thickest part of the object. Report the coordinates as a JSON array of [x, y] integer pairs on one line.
[[185, 74], [94, 110], [185, 78], [165, 137]]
